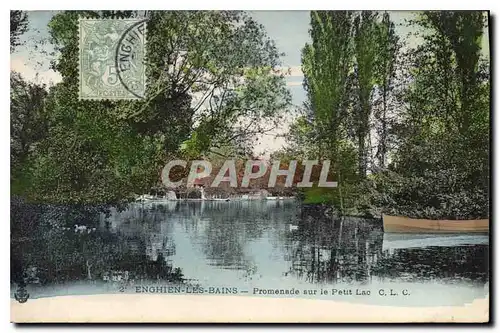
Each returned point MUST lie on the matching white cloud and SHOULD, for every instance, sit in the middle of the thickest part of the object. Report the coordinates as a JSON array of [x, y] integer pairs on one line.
[[19, 64]]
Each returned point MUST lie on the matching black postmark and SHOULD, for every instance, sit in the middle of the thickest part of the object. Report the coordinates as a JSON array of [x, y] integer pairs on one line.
[[129, 59]]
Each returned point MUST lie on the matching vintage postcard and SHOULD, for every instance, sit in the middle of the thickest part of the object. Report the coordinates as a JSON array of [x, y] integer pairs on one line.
[[250, 166]]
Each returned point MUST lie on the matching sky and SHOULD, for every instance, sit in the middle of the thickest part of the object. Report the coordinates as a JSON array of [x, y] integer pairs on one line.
[[289, 29]]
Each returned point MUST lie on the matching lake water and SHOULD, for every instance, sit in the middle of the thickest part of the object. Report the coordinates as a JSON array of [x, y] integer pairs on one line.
[[248, 248]]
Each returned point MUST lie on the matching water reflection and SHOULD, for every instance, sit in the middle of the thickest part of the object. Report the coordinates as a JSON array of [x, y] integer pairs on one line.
[[237, 244]]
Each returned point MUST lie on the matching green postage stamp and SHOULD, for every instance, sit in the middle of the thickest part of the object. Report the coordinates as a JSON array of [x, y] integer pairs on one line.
[[111, 62]]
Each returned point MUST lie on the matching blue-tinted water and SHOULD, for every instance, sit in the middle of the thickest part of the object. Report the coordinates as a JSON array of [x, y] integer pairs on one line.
[[249, 248]]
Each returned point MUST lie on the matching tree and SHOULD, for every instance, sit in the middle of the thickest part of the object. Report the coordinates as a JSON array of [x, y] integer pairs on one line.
[[366, 41], [443, 133], [326, 64], [428, 106], [388, 49], [28, 122], [18, 26], [212, 82]]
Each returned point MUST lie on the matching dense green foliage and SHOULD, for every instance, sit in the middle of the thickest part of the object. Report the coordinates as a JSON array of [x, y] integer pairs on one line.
[[405, 124], [426, 106], [18, 26], [211, 84]]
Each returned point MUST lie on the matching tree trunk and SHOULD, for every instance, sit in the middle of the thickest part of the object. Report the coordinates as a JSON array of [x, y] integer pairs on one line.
[[340, 195], [89, 275], [383, 138], [362, 155]]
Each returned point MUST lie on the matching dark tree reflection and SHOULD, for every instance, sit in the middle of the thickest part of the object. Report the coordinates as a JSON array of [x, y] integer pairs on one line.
[[58, 244], [272, 241], [324, 250]]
